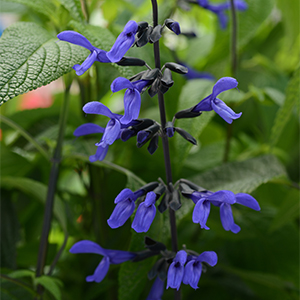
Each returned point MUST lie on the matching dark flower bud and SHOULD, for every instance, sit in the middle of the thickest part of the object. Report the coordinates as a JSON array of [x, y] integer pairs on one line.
[[154, 245], [187, 113], [150, 74], [153, 90], [153, 145], [167, 78], [175, 203], [155, 34], [173, 25], [126, 134], [130, 61], [186, 135], [189, 34], [169, 129], [176, 67], [145, 135], [143, 37]]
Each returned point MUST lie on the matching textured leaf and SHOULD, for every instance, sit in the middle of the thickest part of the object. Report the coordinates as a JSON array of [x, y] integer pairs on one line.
[[283, 114], [101, 38], [192, 93], [50, 284], [39, 191], [74, 7], [31, 57]]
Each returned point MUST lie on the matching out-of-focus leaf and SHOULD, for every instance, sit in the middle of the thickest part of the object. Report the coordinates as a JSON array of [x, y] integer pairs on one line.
[[74, 7], [283, 114], [192, 93], [276, 95], [21, 273], [101, 38], [31, 57], [39, 191], [51, 284]]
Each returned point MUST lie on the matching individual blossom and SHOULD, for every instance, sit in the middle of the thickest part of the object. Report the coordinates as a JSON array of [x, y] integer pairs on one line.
[[78, 39], [176, 270], [123, 43], [145, 213], [173, 25], [223, 199], [125, 207], [110, 257], [132, 97], [193, 269], [219, 9], [211, 102], [157, 290]]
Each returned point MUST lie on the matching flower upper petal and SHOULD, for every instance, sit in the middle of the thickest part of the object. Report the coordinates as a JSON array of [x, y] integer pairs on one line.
[[100, 271], [224, 84], [112, 131], [210, 257], [227, 218], [132, 106], [86, 246], [204, 105], [121, 83], [124, 194], [76, 38], [201, 213], [192, 274], [88, 128], [95, 107], [224, 111], [222, 196], [247, 200]]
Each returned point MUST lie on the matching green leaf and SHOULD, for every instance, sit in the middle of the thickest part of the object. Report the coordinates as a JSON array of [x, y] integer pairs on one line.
[[44, 7], [192, 93], [39, 191], [101, 38], [51, 284], [74, 7], [284, 113], [31, 57]]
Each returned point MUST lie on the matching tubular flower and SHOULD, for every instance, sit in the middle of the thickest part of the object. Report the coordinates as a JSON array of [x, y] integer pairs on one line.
[[211, 102], [78, 39], [124, 208], [132, 97], [219, 9], [224, 199], [157, 290], [193, 269], [176, 270], [145, 214], [123, 43], [110, 257]]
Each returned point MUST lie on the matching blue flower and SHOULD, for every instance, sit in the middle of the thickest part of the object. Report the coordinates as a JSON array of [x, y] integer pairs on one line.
[[110, 257], [176, 270], [145, 214], [123, 43], [124, 208], [157, 290], [219, 9], [193, 269], [132, 97], [194, 74], [78, 39], [223, 199], [211, 102]]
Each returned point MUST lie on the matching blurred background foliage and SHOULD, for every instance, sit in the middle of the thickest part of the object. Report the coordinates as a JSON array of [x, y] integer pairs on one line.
[[260, 262]]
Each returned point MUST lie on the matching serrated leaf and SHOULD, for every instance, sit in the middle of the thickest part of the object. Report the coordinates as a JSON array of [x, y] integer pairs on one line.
[[192, 93], [238, 177], [101, 38], [31, 57], [39, 191], [74, 7], [283, 114], [50, 284], [44, 7]]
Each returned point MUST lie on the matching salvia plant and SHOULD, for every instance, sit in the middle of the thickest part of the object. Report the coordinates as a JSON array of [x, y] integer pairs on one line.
[[153, 209]]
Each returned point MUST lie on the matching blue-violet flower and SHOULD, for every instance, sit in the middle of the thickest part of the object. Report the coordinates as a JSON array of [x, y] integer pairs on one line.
[[110, 257], [176, 270], [157, 290], [211, 102]]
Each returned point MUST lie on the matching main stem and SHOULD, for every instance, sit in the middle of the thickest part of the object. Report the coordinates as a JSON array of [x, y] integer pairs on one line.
[[165, 141], [52, 188]]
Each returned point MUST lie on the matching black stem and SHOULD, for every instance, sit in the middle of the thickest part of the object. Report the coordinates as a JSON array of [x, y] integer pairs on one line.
[[165, 141], [233, 72], [52, 188]]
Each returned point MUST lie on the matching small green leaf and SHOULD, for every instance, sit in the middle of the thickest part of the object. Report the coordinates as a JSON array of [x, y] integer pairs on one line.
[[74, 7], [51, 284], [283, 114], [31, 57], [39, 191]]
